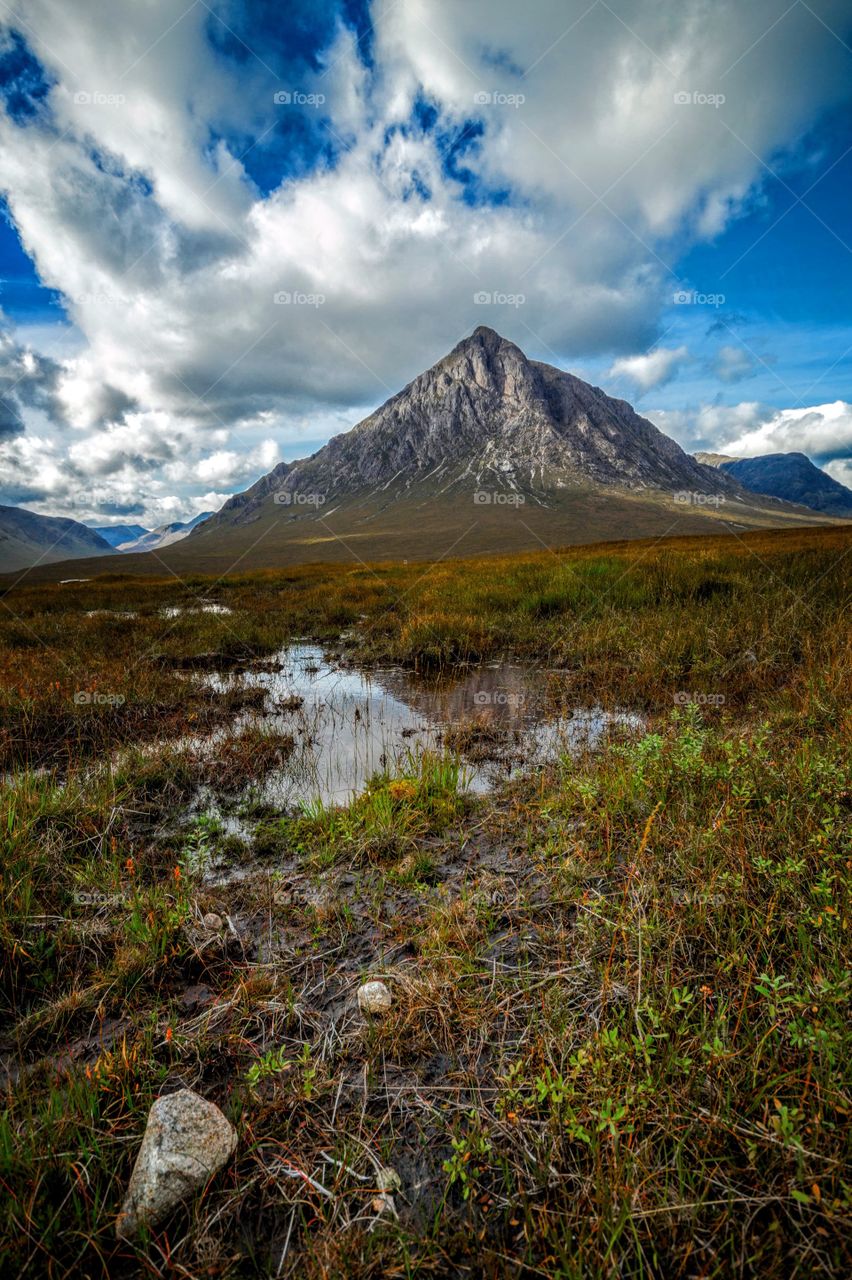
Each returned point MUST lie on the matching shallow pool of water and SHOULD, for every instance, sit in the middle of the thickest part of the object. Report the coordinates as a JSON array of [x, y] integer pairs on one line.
[[350, 724], [206, 606]]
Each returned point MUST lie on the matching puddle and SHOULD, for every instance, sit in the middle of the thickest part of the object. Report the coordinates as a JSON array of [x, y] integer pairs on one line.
[[178, 610], [169, 611], [350, 724], [125, 614]]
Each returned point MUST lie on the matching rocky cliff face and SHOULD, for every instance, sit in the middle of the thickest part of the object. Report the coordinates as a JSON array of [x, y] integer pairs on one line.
[[485, 415]]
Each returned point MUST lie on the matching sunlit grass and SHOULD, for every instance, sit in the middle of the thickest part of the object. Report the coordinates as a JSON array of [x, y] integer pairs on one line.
[[619, 1042]]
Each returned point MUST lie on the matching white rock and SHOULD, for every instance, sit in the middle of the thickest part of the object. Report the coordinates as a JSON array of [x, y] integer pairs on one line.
[[374, 997], [187, 1139]]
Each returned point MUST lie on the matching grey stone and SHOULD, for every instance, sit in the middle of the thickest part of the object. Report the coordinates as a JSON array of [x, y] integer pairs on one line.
[[186, 1141]]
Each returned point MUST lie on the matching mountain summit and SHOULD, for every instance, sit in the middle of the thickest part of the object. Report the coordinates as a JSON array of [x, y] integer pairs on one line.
[[487, 451], [486, 417]]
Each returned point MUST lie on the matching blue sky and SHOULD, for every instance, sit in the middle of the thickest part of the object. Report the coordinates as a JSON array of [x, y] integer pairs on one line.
[[652, 195]]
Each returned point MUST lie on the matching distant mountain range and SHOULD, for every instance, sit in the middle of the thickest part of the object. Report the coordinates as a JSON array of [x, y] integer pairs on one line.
[[789, 476], [116, 534], [486, 451], [27, 538], [163, 536]]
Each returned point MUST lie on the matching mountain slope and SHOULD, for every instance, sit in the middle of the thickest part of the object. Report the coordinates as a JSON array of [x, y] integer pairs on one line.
[[486, 452], [714, 459], [791, 477], [115, 534], [164, 535], [27, 538], [484, 418]]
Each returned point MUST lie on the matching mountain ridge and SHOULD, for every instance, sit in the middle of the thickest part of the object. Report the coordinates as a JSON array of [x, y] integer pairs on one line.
[[115, 534], [484, 453], [27, 539], [164, 535], [791, 477], [486, 414]]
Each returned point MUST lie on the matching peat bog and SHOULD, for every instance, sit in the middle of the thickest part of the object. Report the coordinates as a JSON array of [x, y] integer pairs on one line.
[[619, 1038]]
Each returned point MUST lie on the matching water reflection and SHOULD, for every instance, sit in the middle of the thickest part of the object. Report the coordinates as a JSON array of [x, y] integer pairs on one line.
[[350, 724]]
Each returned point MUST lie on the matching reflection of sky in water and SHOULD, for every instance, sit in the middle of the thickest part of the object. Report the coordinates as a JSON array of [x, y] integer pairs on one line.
[[353, 724], [177, 610]]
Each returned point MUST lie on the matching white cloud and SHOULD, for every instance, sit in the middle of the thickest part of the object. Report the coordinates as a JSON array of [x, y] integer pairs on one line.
[[841, 470], [749, 429], [822, 431], [138, 210], [653, 369]]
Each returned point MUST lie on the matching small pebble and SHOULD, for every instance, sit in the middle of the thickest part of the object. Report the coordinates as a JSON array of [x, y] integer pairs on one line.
[[212, 922], [374, 997]]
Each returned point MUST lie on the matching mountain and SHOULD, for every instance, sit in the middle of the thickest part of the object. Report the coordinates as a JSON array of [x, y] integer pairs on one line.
[[484, 419], [164, 535], [29, 539], [115, 534], [485, 452], [713, 459], [790, 476]]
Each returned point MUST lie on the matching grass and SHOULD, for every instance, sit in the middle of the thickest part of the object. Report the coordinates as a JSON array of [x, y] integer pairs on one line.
[[620, 1031]]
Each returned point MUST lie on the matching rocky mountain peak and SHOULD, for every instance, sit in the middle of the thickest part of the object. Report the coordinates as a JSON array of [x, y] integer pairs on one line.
[[486, 415]]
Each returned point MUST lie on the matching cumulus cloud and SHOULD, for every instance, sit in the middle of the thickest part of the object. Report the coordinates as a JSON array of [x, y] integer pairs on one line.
[[549, 162], [653, 369], [749, 429], [822, 431]]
